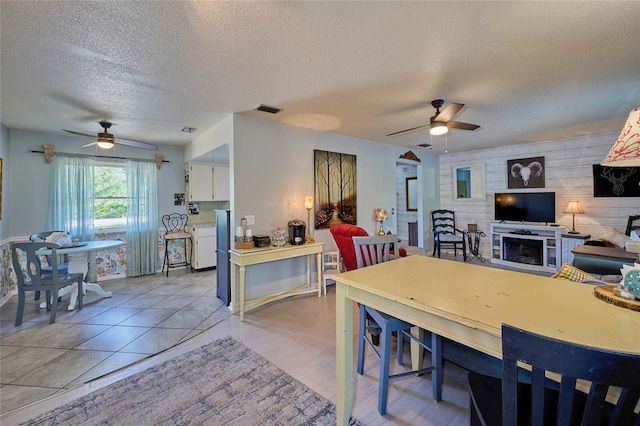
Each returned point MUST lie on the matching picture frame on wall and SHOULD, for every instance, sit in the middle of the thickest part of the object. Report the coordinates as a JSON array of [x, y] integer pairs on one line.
[[335, 189], [526, 173], [411, 188], [616, 181]]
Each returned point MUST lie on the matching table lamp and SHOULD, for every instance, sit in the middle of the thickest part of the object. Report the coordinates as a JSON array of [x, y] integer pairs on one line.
[[381, 216], [308, 204], [574, 208], [625, 151]]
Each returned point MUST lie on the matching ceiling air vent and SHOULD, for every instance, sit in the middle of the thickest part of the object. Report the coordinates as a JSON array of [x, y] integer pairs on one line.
[[424, 145], [188, 129], [266, 108]]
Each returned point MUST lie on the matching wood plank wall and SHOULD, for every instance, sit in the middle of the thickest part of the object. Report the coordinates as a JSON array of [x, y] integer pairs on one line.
[[568, 165]]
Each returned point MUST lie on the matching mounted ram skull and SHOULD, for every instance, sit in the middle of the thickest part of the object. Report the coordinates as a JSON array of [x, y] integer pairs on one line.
[[533, 168]]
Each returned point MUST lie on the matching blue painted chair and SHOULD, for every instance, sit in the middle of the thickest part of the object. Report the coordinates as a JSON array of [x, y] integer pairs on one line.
[[31, 277], [371, 251], [542, 401], [63, 268]]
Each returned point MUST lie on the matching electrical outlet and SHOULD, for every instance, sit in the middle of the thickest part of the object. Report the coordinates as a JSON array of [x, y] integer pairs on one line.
[[251, 219]]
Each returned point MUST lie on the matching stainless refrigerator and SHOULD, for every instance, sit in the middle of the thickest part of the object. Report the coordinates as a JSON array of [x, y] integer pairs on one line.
[[223, 244]]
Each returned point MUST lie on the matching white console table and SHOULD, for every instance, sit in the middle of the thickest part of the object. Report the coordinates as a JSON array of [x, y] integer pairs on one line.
[[548, 238], [240, 259]]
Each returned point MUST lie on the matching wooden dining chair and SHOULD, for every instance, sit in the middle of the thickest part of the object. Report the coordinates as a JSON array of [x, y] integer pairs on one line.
[[445, 233], [544, 401], [63, 268], [633, 224], [31, 277], [371, 251]]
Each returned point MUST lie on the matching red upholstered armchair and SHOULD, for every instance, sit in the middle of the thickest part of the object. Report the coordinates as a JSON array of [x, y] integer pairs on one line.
[[342, 234]]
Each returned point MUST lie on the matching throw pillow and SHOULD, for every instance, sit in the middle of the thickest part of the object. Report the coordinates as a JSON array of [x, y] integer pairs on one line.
[[614, 237], [571, 273]]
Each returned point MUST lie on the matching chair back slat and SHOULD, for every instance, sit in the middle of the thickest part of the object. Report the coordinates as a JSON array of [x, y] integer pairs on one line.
[[375, 249], [342, 235], [633, 224], [32, 274], [444, 222], [604, 369]]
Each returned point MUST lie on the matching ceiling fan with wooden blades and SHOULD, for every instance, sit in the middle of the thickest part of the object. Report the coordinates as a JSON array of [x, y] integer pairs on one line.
[[441, 122], [106, 140]]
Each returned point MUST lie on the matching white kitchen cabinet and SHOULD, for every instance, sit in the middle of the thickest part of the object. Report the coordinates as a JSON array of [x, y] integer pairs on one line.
[[221, 190], [208, 182], [204, 246], [200, 182]]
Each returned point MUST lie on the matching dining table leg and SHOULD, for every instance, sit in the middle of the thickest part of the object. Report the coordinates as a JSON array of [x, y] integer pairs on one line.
[[79, 264], [344, 355]]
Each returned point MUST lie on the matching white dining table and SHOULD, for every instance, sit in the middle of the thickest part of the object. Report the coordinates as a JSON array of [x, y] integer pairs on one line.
[[82, 259], [468, 304]]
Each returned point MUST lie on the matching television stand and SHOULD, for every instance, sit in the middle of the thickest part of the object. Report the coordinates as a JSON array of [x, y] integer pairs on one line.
[[523, 232], [530, 247]]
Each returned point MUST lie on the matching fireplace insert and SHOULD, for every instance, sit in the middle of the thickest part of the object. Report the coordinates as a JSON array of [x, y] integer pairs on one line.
[[523, 250]]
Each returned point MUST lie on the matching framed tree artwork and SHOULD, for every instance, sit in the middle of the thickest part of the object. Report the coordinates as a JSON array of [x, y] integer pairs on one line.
[[335, 189]]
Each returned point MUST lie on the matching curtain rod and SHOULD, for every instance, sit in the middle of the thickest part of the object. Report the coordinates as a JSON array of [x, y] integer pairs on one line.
[[33, 151]]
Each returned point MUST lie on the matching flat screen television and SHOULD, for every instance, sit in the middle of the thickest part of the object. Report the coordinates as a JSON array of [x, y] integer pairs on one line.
[[526, 206]]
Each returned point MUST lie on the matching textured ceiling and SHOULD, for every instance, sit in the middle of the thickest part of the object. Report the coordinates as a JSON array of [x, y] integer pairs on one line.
[[527, 71]]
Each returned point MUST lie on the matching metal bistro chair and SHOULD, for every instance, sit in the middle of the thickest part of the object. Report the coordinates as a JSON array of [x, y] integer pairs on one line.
[[545, 401], [33, 279], [445, 233], [175, 225], [371, 251]]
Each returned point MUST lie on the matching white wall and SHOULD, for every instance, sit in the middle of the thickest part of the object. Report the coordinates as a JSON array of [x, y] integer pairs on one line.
[[569, 174], [272, 172]]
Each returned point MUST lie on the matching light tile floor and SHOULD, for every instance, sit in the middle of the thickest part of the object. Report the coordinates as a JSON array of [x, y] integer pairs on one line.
[[169, 316], [145, 316]]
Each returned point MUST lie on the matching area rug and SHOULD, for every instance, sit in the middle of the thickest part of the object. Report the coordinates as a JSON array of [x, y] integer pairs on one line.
[[222, 383]]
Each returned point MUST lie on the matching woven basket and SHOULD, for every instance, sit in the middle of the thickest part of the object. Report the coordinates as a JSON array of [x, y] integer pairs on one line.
[[243, 243]]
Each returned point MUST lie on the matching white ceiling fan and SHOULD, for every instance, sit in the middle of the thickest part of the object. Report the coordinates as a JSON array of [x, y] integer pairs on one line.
[[106, 140]]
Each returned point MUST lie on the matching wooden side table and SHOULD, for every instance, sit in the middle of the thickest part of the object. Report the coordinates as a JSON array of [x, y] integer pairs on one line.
[[569, 242]]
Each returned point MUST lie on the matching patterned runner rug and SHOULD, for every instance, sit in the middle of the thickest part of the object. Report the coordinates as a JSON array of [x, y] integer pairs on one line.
[[221, 383]]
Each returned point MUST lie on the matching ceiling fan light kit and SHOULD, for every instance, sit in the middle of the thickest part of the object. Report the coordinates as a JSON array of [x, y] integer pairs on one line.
[[438, 128], [441, 121], [105, 140]]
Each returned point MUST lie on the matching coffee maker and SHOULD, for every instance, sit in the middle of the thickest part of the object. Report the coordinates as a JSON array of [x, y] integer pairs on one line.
[[297, 230]]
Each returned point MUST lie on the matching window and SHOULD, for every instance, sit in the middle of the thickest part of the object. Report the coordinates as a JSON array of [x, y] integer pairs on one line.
[[110, 199]]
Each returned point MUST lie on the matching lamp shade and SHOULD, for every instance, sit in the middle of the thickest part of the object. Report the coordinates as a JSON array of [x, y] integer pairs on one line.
[[308, 202], [574, 207], [381, 214], [438, 128], [626, 149]]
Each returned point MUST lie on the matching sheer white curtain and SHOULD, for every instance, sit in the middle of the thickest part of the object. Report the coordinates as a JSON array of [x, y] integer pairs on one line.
[[71, 193], [142, 218]]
